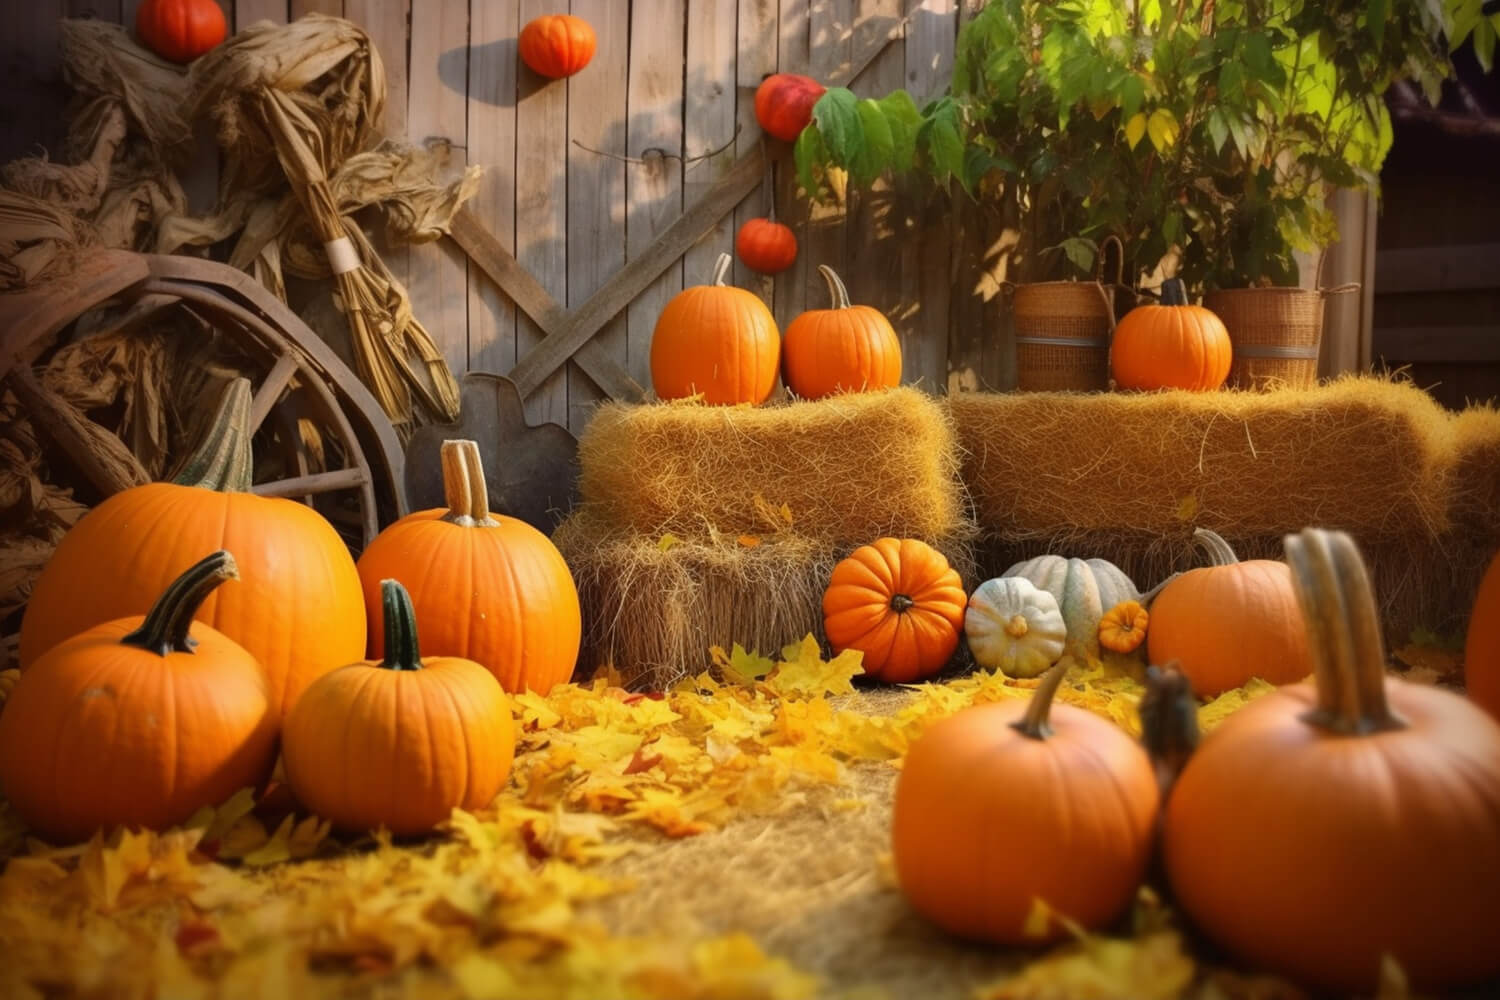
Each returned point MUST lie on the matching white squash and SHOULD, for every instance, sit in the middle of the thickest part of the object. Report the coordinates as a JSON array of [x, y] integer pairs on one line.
[[1014, 627], [1084, 589]]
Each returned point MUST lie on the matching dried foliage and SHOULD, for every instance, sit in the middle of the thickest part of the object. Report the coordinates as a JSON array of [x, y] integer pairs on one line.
[[37, 239]]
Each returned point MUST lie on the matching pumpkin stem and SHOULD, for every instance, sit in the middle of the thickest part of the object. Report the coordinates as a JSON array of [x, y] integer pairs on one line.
[[464, 486], [222, 459], [1213, 545], [1173, 292], [721, 268], [901, 604], [165, 629], [837, 293], [1035, 723], [1017, 627], [401, 649], [1338, 605], [1169, 722]]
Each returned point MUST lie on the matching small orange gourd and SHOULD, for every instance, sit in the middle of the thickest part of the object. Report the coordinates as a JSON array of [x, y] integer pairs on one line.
[[716, 341], [1173, 345], [840, 349], [1123, 627], [557, 45], [180, 30], [766, 246]]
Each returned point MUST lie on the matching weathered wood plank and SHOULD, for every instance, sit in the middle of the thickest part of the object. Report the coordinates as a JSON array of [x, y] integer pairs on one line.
[[794, 55], [247, 12], [831, 27], [708, 124], [437, 109], [596, 184], [930, 36], [301, 7], [1438, 343], [492, 144], [1437, 269], [755, 58], [654, 105], [385, 21], [31, 115], [102, 10]]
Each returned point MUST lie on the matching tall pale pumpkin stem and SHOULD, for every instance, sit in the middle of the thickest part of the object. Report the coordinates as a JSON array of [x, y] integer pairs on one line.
[[401, 649], [1212, 545], [721, 269], [222, 459], [1034, 723], [837, 293], [165, 629], [1173, 292], [464, 487], [1338, 604]]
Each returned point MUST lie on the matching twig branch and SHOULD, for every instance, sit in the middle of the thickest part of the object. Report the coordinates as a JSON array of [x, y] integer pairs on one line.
[[655, 154]]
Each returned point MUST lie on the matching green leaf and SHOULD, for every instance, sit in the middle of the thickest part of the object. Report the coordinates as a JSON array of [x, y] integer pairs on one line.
[[837, 116], [1484, 45], [939, 137], [1080, 253], [904, 119], [1376, 12], [1162, 129], [876, 154], [1218, 129], [812, 158], [1132, 93], [1135, 129]]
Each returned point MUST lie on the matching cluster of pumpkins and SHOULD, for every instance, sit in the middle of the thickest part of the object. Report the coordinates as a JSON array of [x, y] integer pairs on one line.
[[148, 692]]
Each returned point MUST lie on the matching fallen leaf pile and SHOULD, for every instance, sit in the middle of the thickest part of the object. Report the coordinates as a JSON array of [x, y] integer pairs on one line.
[[248, 899]]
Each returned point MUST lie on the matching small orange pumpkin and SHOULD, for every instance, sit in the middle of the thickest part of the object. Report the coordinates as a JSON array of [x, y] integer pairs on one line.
[[715, 340], [784, 103], [557, 45], [139, 721], [1068, 791], [487, 587], [1123, 627], [1173, 345], [180, 30], [842, 348], [899, 603], [766, 246], [402, 741], [1230, 621], [1482, 643]]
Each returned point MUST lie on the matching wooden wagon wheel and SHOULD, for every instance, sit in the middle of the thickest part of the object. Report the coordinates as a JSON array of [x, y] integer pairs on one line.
[[270, 334]]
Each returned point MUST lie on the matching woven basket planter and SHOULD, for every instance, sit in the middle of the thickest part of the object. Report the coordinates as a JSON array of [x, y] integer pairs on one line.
[[1276, 333]]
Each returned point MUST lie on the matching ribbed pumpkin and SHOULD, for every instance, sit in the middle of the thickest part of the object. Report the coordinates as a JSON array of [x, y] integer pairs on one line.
[[1123, 627], [1002, 805], [1173, 345], [716, 340], [399, 742], [899, 603], [840, 349], [784, 103], [487, 587], [1326, 825], [1084, 590], [138, 721], [1014, 626], [557, 45], [1482, 644], [766, 246], [1230, 621], [180, 30], [298, 607]]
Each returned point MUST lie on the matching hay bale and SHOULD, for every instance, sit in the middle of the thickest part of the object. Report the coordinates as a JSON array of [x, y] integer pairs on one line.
[[848, 469], [1476, 475], [652, 606]]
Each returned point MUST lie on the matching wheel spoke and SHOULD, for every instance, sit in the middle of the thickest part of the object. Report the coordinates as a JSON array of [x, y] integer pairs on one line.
[[318, 482], [270, 390]]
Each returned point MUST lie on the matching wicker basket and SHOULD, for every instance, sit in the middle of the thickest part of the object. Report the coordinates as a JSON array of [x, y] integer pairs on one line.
[[1276, 333], [1062, 332]]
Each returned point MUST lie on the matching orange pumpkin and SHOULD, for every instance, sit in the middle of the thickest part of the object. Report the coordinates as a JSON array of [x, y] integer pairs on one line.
[[899, 603], [784, 103], [1326, 825], [766, 246], [840, 349], [1002, 805], [400, 742], [487, 587], [1123, 627], [1482, 644], [557, 45], [1229, 622], [180, 30], [716, 340], [1170, 346], [139, 721], [298, 609]]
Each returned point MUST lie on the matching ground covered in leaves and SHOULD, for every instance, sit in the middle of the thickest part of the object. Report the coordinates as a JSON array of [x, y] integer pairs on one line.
[[726, 839]]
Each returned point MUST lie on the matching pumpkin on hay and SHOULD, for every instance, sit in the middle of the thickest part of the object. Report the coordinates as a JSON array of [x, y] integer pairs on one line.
[[1172, 345], [842, 348], [900, 604], [138, 721], [1008, 804], [1123, 627], [487, 587], [297, 609], [784, 103], [180, 30], [1482, 643], [402, 741], [1014, 627], [1326, 825], [715, 340], [1230, 621], [1083, 588], [766, 246], [557, 45]]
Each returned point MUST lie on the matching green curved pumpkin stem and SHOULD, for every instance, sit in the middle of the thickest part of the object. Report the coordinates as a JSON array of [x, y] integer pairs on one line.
[[837, 293], [401, 649], [1338, 606], [1034, 724], [721, 269], [1213, 545], [464, 486], [165, 629], [1173, 292], [222, 459]]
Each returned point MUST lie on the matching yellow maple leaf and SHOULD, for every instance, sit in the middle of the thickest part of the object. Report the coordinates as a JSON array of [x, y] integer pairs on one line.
[[749, 541], [536, 711], [740, 665], [1149, 968], [1226, 704], [666, 541], [803, 670], [215, 821]]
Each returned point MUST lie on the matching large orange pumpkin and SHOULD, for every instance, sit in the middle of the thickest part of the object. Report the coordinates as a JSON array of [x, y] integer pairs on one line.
[[399, 742], [1482, 644], [899, 603], [487, 587], [138, 721], [298, 608], [1004, 805], [1327, 825], [180, 30], [1230, 621], [557, 45], [1173, 345], [840, 349], [716, 340]]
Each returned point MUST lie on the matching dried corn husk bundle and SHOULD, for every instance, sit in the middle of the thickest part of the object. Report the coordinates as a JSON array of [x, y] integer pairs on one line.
[[35, 237]]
